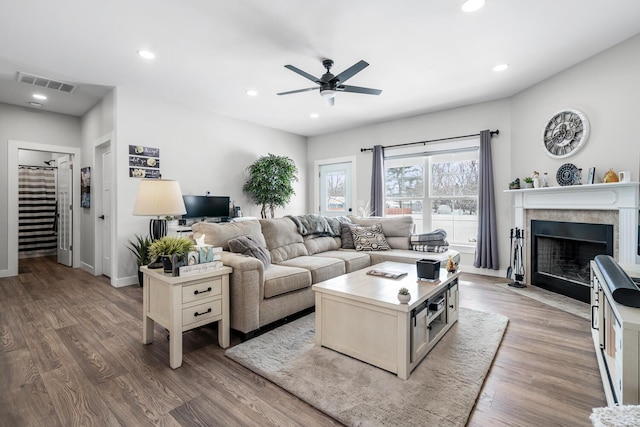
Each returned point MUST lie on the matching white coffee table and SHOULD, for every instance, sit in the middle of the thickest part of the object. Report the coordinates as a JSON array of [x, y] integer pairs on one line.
[[359, 315]]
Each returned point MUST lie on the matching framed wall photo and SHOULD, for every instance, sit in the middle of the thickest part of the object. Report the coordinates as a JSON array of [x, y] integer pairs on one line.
[[592, 176], [85, 187]]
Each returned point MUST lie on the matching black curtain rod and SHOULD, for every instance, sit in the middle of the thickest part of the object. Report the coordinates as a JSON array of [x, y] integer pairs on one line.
[[493, 132]]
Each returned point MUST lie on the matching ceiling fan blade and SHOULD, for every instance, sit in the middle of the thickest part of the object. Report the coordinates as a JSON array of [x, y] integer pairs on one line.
[[299, 90], [351, 71], [357, 89], [303, 73]]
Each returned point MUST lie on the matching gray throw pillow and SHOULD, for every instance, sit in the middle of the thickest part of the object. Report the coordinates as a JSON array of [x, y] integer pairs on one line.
[[346, 237], [246, 245]]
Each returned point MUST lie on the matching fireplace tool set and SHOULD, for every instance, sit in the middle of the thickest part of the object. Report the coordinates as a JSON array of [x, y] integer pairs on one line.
[[517, 240]]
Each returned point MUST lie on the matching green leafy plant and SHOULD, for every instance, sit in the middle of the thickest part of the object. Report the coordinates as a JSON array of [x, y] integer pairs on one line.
[[528, 179], [270, 182], [170, 245], [403, 291], [140, 249]]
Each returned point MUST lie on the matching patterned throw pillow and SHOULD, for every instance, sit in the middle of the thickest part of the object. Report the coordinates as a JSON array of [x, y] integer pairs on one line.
[[346, 237], [369, 238]]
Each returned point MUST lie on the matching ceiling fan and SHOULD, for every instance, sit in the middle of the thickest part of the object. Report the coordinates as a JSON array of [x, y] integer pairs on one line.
[[329, 84]]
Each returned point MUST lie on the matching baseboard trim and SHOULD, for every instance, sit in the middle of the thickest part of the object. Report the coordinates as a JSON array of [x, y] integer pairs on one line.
[[88, 268], [5, 273]]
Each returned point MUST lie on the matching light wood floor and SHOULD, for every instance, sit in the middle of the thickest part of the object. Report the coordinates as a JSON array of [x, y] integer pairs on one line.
[[71, 354]]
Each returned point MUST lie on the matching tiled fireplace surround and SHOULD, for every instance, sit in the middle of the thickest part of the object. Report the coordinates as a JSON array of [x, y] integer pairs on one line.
[[615, 204]]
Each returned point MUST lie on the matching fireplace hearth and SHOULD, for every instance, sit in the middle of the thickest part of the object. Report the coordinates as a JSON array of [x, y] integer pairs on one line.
[[561, 252]]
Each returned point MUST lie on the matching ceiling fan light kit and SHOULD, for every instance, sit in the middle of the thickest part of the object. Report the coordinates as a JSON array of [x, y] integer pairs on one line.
[[329, 84]]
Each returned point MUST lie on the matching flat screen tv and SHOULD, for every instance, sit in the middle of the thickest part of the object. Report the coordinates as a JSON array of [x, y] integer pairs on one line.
[[206, 206]]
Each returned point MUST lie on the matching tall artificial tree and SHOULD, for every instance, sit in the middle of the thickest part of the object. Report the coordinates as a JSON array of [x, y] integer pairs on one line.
[[270, 182]]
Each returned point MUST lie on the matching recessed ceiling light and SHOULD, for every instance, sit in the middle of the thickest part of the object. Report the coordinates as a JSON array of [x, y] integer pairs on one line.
[[35, 104], [472, 5], [146, 54], [500, 67], [314, 115], [39, 96], [251, 92]]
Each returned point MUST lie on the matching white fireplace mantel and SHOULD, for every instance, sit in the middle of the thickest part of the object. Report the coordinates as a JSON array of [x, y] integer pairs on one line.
[[622, 197]]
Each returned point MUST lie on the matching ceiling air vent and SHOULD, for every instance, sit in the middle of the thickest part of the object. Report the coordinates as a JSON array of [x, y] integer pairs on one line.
[[45, 82]]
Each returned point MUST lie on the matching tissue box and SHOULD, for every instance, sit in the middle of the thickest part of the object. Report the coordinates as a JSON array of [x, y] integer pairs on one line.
[[428, 269]]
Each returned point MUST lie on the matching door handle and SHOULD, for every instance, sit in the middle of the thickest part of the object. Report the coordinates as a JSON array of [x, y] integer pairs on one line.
[[101, 217]]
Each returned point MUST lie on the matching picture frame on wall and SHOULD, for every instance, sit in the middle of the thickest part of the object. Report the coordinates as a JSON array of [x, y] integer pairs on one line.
[[85, 187], [592, 175]]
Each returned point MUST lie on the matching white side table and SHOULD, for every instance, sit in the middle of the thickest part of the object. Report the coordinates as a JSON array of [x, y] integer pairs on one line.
[[183, 303]]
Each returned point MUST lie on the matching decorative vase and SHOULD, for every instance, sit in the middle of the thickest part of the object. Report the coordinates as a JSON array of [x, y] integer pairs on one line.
[[404, 298], [610, 176]]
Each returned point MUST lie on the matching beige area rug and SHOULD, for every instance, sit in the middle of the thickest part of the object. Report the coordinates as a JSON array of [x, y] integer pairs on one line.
[[561, 302], [441, 391]]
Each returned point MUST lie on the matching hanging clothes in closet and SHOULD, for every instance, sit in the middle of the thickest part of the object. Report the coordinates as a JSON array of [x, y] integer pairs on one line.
[[37, 206]]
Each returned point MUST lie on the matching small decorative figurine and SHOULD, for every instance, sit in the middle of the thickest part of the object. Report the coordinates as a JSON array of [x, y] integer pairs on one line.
[[536, 179], [451, 265]]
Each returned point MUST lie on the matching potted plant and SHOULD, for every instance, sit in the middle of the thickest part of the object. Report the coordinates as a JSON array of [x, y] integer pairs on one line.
[[404, 296], [167, 246], [270, 182], [140, 249], [528, 182]]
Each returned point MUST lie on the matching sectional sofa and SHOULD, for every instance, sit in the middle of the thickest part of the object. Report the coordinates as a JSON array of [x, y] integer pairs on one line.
[[265, 292]]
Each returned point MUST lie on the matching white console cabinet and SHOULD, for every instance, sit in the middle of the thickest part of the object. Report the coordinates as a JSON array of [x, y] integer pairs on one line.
[[616, 336]]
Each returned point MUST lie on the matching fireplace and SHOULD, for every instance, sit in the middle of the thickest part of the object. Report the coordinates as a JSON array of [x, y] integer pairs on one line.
[[615, 204], [561, 252]]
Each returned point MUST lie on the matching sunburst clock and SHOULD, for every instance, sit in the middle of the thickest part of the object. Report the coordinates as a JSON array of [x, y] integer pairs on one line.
[[565, 133]]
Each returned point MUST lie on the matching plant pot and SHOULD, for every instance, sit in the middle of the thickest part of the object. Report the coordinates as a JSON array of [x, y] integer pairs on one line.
[[167, 263], [404, 299], [140, 278], [528, 185]]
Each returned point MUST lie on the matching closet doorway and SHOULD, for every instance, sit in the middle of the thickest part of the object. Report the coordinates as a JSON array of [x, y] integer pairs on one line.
[[44, 200], [51, 187]]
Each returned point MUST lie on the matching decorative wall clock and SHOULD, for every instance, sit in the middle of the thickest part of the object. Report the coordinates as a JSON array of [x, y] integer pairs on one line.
[[565, 133]]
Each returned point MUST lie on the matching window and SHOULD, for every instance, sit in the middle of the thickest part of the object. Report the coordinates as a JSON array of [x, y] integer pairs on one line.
[[438, 189]]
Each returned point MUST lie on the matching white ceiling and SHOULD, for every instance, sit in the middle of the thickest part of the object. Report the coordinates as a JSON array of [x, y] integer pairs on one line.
[[425, 55]]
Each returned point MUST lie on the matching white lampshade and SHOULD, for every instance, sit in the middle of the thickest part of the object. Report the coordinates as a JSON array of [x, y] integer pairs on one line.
[[159, 197]]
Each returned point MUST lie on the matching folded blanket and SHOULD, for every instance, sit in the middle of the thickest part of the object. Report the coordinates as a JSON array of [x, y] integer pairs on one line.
[[438, 235], [318, 224], [430, 248], [432, 243]]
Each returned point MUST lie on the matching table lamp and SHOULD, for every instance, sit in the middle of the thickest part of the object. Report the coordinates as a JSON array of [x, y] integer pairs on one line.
[[159, 197]]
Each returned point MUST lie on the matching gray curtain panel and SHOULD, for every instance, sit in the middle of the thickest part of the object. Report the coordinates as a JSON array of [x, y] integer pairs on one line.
[[487, 245], [377, 181]]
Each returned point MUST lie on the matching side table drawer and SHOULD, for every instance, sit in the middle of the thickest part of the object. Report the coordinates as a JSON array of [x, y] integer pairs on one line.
[[200, 312], [201, 290]]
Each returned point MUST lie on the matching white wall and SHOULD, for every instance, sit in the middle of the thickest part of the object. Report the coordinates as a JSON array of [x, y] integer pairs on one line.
[[606, 87], [203, 151], [95, 124], [35, 126]]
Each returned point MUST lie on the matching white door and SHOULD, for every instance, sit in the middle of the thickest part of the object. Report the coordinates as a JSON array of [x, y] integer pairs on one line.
[[65, 212], [335, 189], [105, 216]]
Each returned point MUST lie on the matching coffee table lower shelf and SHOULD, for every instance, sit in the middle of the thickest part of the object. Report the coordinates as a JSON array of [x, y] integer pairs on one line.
[[357, 316]]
